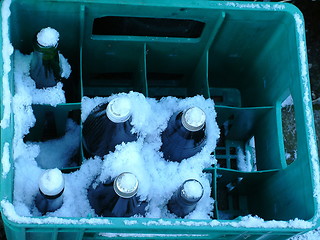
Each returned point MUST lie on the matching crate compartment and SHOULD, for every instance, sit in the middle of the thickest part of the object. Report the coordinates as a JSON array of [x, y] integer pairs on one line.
[[118, 68], [256, 193], [51, 124]]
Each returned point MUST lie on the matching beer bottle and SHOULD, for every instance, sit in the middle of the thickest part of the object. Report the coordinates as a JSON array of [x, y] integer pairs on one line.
[[185, 135], [107, 125], [117, 198], [50, 195], [45, 66], [185, 199]]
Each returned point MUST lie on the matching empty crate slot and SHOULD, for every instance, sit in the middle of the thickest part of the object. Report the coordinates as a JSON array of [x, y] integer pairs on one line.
[[229, 205], [237, 194], [238, 125], [142, 26], [57, 132], [113, 67], [289, 130], [239, 65], [170, 68]]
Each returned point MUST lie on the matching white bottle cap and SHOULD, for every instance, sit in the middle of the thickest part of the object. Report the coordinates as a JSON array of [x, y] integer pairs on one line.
[[126, 185], [192, 190], [48, 37], [51, 182], [119, 109], [193, 119]]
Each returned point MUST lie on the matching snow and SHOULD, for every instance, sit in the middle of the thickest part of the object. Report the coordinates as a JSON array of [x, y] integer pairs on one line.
[[7, 50], [51, 182], [149, 235], [287, 102], [61, 150], [244, 160], [264, 6], [158, 179], [5, 160], [193, 189], [65, 66], [48, 37], [25, 86]]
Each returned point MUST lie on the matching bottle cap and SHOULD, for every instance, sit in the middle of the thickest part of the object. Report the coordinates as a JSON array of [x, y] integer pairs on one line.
[[119, 109], [193, 119], [126, 185], [51, 182], [192, 190], [48, 37]]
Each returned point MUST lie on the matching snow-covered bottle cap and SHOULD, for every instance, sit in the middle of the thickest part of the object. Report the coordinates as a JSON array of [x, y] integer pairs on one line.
[[119, 109], [48, 37], [126, 185], [192, 190], [51, 182], [193, 119]]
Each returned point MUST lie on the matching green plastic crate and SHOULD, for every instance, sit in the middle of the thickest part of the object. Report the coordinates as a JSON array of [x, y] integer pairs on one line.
[[247, 56]]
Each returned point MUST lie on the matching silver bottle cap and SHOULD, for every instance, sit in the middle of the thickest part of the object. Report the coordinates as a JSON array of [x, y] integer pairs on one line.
[[126, 185], [193, 119], [192, 190], [51, 182], [119, 109]]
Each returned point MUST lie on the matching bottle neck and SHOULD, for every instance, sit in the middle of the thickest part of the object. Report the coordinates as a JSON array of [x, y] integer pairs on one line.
[[48, 53], [52, 196]]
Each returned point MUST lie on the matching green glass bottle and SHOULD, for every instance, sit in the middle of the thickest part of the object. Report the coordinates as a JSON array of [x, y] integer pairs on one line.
[[45, 67]]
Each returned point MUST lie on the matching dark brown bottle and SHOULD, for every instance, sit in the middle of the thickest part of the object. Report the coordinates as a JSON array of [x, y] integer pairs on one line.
[[107, 125], [185, 135], [185, 199], [117, 197], [50, 195]]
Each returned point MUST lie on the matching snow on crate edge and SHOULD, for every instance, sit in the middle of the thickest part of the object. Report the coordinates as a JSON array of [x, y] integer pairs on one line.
[[274, 7], [7, 50], [309, 117], [11, 214], [149, 235], [247, 221], [5, 160]]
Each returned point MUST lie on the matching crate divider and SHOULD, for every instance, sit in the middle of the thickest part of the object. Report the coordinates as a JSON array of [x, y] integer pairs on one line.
[[199, 79], [213, 174], [81, 38], [141, 73]]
